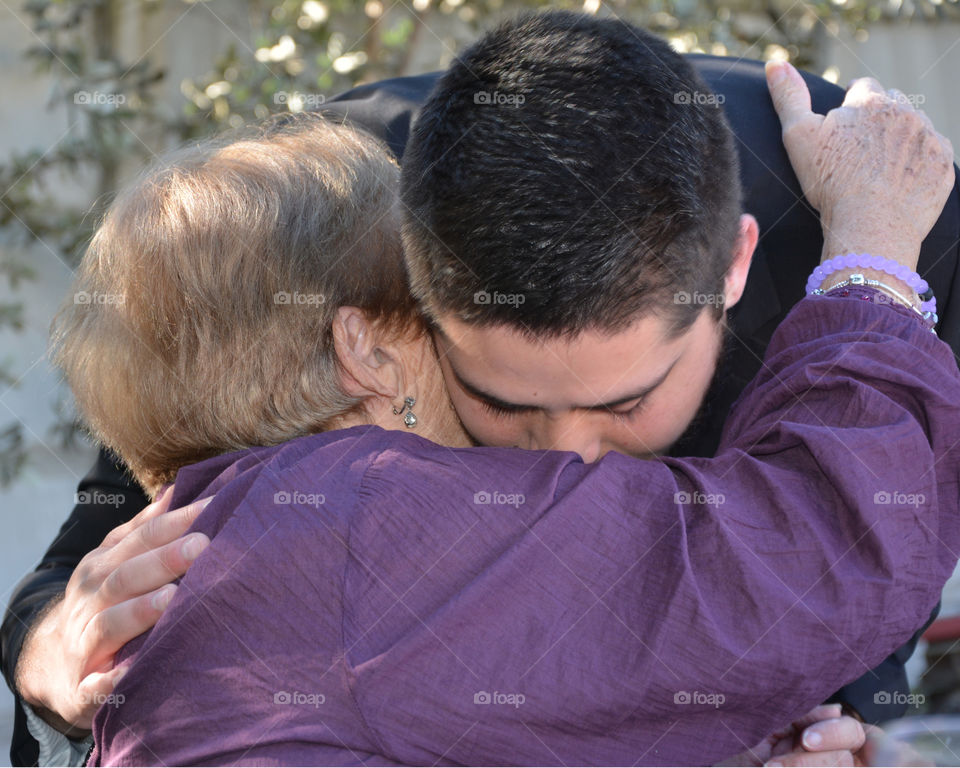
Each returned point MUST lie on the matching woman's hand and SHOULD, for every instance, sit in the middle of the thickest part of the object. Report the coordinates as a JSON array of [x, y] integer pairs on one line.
[[875, 168], [821, 737]]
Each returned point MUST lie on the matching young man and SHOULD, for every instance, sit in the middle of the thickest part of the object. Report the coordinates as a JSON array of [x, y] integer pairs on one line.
[[387, 111], [575, 230]]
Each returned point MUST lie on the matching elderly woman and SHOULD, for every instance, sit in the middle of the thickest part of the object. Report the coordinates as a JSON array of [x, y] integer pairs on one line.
[[378, 591]]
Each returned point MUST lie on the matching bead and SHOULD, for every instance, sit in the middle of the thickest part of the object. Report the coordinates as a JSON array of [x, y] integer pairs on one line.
[[817, 279]]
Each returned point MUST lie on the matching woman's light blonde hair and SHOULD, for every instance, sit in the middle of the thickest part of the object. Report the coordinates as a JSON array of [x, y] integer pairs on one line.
[[200, 318]]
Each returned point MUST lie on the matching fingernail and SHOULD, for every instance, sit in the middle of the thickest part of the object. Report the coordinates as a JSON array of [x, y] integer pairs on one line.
[[206, 501], [776, 70], [812, 739], [162, 598], [192, 547]]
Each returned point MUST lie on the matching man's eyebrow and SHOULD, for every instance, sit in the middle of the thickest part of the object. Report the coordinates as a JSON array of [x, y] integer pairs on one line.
[[504, 405]]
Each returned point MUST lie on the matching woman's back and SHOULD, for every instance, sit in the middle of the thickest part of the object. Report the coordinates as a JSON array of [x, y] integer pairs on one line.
[[372, 596]]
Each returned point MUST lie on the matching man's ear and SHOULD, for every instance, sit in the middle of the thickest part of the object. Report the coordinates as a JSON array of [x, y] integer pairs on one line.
[[743, 251], [370, 366]]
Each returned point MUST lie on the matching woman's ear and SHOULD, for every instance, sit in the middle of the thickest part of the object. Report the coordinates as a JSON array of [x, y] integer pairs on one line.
[[371, 365], [743, 250]]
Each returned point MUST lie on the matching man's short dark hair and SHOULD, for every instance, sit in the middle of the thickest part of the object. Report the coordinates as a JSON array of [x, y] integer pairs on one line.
[[570, 173]]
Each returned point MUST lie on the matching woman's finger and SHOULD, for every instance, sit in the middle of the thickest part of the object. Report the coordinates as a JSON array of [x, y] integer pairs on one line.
[[838, 733], [814, 759]]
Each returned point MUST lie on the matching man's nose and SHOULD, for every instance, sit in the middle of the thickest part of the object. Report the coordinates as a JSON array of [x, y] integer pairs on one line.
[[570, 434]]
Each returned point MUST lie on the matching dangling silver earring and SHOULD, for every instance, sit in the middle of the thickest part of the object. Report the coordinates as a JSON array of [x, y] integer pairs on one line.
[[409, 418]]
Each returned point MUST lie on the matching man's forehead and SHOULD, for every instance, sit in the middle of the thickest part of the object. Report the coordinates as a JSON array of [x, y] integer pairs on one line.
[[502, 366]]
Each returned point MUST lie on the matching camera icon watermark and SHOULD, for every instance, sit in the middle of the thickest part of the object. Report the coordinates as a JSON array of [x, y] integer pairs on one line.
[[899, 499], [488, 298], [115, 700], [498, 498], [900, 698], [698, 299], [514, 700], [84, 297], [699, 98], [296, 497], [297, 101], [99, 99], [299, 299], [496, 98], [99, 498], [714, 700], [914, 100], [296, 698], [698, 497]]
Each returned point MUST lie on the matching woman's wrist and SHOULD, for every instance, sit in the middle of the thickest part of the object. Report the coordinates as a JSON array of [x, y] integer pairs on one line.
[[843, 275], [866, 227], [888, 280]]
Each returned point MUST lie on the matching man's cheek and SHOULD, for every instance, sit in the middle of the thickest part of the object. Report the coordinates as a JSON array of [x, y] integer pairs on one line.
[[640, 440], [668, 423]]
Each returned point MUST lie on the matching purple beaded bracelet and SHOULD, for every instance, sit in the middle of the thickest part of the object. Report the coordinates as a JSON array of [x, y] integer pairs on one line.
[[867, 261]]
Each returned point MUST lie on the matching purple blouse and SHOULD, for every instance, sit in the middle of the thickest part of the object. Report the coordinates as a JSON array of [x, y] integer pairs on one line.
[[371, 597]]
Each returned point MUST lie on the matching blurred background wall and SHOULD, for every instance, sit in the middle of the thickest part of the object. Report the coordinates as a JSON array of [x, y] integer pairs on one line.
[[91, 89]]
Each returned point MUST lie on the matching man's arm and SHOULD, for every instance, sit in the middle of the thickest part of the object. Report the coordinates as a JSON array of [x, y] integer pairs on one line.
[[93, 591], [106, 497], [83, 530]]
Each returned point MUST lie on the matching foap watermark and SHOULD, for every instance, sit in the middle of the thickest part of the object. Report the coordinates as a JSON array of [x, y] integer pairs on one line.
[[296, 497], [698, 497], [497, 697], [299, 299], [880, 297], [899, 697], [915, 100], [498, 99], [499, 499], [698, 299], [486, 297], [296, 698], [699, 98], [296, 101], [700, 698], [99, 498], [99, 99], [899, 499], [114, 700], [85, 297]]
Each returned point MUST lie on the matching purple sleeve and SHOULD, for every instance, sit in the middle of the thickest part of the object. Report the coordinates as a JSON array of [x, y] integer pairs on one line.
[[668, 612]]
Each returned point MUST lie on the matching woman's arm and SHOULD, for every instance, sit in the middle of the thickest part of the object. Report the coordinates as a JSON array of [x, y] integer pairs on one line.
[[669, 612]]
